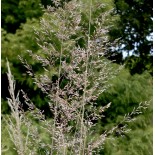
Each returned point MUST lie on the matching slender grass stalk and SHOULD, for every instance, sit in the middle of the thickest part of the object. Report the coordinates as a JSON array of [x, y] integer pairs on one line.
[[14, 105], [56, 105], [85, 82]]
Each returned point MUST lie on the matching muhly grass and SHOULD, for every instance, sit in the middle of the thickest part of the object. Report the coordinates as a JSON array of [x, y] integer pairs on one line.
[[81, 76]]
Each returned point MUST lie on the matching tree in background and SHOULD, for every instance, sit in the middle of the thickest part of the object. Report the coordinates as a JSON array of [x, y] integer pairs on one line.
[[134, 27], [16, 12]]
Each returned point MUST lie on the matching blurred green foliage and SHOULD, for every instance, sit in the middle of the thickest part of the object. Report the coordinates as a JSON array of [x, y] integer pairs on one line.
[[139, 65], [138, 142], [126, 92], [134, 27], [15, 12]]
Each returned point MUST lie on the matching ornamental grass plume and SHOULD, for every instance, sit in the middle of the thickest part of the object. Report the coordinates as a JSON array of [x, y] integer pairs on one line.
[[81, 72]]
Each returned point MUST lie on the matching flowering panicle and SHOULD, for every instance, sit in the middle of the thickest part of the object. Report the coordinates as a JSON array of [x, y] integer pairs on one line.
[[74, 76]]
